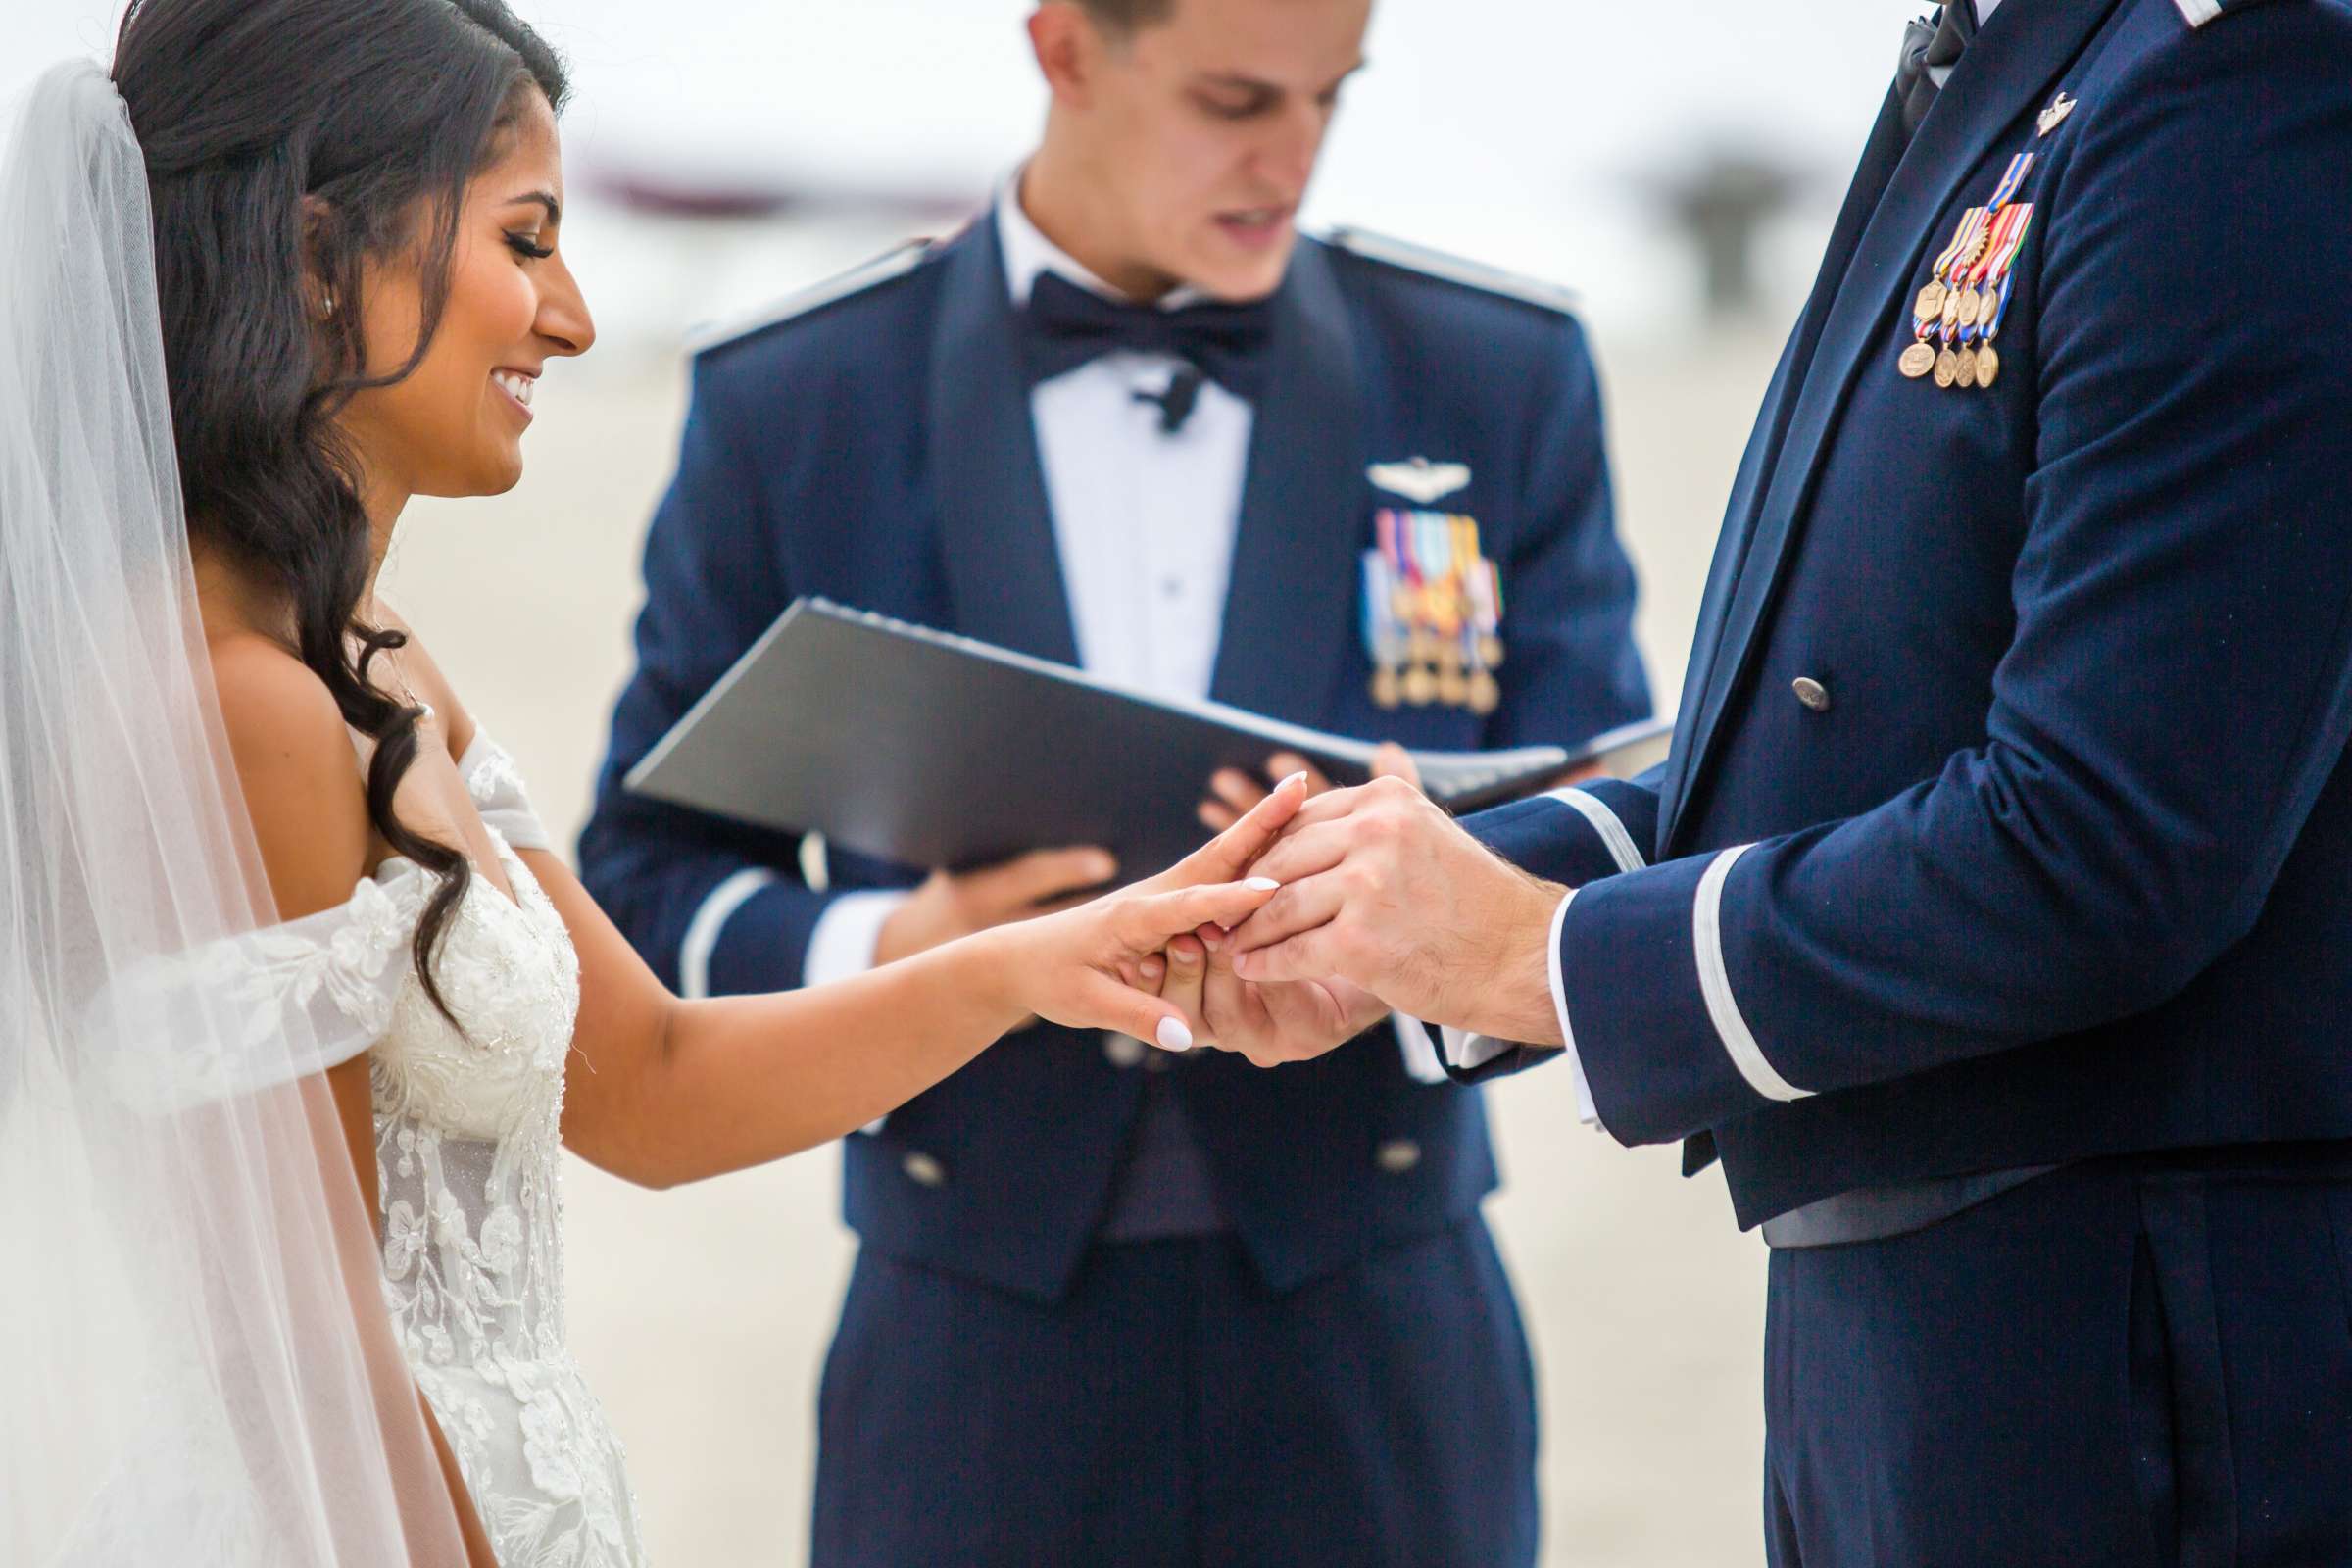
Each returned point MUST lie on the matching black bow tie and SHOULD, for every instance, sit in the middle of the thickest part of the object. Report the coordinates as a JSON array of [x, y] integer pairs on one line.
[[1938, 45], [1067, 327]]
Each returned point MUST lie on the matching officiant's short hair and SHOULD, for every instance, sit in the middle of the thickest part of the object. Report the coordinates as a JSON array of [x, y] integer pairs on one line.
[[1120, 18]]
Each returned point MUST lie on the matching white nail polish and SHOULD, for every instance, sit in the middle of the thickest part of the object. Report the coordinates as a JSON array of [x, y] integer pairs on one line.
[[1262, 884], [1174, 1036]]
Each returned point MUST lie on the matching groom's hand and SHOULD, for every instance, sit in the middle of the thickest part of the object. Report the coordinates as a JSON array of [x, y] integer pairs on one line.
[[949, 905], [1269, 1025], [1382, 891]]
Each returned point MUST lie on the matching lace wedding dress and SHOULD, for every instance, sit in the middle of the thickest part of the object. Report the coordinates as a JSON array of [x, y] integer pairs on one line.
[[468, 1165]]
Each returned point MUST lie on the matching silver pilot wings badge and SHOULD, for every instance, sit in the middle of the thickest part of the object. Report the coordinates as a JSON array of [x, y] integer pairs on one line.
[[1418, 479]]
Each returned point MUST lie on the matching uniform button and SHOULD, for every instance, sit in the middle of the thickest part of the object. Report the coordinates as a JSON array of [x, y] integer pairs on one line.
[[923, 1170], [1122, 1050], [1812, 693], [1398, 1156]]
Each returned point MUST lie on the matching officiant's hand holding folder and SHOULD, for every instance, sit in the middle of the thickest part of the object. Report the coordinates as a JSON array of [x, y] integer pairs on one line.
[[930, 749]]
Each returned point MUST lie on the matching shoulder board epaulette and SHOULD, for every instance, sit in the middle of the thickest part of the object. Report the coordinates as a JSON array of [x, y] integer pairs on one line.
[[1452, 268], [2200, 11], [897, 262]]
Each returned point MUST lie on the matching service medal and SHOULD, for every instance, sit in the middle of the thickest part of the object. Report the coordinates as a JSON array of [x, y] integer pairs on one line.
[[1988, 365], [1947, 368], [1930, 303], [1964, 373], [1916, 360], [1485, 695]]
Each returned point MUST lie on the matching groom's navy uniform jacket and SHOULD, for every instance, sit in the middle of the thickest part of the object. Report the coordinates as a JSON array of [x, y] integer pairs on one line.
[[2007, 823], [874, 446]]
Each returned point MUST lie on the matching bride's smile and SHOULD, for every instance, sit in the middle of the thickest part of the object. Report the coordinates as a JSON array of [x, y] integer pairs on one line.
[[453, 425]]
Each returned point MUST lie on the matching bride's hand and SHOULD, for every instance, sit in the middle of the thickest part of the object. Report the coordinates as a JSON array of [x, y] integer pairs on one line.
[[1082, 968]]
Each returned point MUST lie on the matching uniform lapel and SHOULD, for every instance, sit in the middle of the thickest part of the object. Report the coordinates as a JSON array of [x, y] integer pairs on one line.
[[1003, 570], [1879, 155], [2017, 58], [1289, 610]]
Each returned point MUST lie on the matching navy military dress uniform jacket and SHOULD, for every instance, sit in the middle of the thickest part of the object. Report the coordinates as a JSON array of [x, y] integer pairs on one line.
[[875, 446], [2007, 822]]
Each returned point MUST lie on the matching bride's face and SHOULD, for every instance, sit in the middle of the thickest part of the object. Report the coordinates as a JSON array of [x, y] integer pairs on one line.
[[454, 426]]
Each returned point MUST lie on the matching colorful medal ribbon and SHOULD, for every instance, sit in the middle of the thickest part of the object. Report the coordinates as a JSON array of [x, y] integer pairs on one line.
[[1999, 291], [1432, 614], [1949, 309]]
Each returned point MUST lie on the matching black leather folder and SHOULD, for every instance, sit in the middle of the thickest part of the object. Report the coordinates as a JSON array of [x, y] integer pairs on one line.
[[931, 749]]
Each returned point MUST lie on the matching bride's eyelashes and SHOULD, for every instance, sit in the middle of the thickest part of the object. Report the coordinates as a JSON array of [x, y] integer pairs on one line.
[[524, 245]]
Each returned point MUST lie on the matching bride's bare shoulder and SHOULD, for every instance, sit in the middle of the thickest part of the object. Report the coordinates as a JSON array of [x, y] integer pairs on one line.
[[298, 771]]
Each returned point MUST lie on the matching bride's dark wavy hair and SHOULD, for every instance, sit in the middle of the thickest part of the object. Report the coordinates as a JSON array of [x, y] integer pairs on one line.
[[288, 144]]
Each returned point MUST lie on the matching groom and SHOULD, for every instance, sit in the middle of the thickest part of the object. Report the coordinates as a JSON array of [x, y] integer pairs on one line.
[[1991, 919], [1114, 1306]]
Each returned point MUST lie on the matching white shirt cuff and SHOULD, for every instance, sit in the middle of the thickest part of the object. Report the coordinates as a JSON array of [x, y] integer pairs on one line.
[[1422, 1063], [843, 943], [1468, 1051]]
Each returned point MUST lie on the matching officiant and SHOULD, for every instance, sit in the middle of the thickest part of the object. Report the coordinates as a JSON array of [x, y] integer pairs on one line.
[[1112, 1304]]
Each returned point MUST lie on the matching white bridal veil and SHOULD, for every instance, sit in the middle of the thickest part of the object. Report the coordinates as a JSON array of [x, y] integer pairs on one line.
[[195, 1366]]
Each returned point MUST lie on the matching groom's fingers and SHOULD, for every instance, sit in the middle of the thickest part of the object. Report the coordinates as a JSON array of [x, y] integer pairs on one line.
[[1328, 807], [1222, 995], [1309, 956], [1183, 988], [1298, 907], [1306, 852]]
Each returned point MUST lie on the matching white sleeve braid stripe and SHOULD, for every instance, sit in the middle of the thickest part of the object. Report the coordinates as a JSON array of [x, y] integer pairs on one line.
[[703, 931], [1619, 842], [2199, 12], [1715, 984]]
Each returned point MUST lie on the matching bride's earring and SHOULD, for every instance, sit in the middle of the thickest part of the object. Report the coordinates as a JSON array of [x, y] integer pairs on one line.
[[326, 310]]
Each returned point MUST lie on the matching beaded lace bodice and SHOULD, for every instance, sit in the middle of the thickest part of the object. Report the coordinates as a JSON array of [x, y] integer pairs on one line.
[[468, 1152]]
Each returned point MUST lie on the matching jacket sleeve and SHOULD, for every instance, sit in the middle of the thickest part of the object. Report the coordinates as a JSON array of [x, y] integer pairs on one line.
[[1579, 834], [1572, 836], [712, 906], [2185, 552], [1570, 669]]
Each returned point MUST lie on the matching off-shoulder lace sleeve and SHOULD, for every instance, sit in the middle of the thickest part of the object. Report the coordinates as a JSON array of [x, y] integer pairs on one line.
[[280, 1002], [496, 786]]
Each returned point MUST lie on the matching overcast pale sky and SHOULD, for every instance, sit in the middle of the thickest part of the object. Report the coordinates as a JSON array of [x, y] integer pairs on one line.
[[1514, 131]]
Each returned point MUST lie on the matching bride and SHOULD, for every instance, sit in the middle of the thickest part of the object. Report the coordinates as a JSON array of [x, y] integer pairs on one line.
[[296, 1002]]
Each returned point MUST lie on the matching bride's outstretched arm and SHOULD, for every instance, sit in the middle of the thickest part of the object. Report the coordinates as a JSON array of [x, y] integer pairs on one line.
[[665, 1091]]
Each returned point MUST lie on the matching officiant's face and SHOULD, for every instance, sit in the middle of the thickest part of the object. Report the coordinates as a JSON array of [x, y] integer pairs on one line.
[[1205, 126], [455, 426]]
